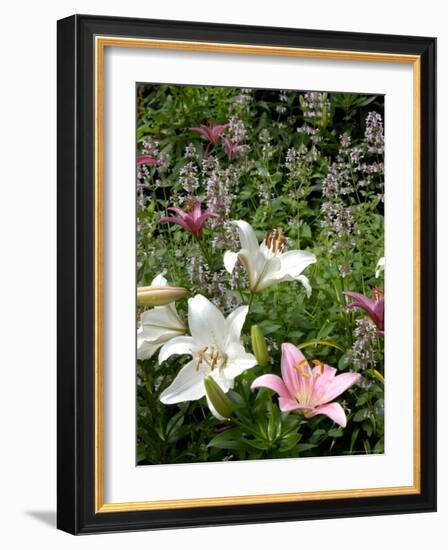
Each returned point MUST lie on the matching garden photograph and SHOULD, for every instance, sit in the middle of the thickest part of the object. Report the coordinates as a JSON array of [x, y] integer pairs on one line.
[[260, 274]]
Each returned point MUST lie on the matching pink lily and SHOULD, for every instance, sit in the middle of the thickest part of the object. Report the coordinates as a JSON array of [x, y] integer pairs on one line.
[[147, 159], [192, 220], [232, 150], [211, 132], [310, 391], [373, 307]]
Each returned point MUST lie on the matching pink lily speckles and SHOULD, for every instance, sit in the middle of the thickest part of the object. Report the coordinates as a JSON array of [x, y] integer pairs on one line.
[[373, 307], [311, 391], [192, 220]]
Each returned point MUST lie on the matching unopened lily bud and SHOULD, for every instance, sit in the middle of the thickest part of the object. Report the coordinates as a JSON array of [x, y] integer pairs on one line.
[[159, 295], [218, 400], [259, 346]]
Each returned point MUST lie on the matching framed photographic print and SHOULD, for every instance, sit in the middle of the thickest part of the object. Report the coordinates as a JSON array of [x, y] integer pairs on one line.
[[246, 267]]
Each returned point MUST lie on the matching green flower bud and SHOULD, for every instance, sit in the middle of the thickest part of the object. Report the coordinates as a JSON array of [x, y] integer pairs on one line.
[[218, 399], [259, 346], [159, 295]]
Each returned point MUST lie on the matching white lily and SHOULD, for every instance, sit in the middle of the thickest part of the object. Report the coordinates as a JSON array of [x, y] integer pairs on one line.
[[380, 267], [158, 325], [216, 350], [267, 263]]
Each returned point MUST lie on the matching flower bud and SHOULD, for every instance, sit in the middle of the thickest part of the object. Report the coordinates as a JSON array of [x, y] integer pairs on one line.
[[159, 295], [218, 400], [259, 346]]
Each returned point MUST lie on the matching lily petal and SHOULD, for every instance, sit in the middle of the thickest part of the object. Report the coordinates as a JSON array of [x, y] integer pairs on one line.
[[306, 283], [380, 267], [155, 322], [199, 222], [159, 280], [196, 213], [177, 221], [181, 214], [291, 357], [360, 301], [235, 322], [287, 404], [238, 365], [333, 387], [230, 259], [146, 349], [248, 263], [187, 386], [323, 375], [147, 159], [274, 383], [294, 262], [206, 322], [333, 411], [266, 272], [181, 345], [224, 382], [248, 238]]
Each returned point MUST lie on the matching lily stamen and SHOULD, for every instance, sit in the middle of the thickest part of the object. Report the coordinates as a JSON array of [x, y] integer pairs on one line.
[[214, 357], [299, 367], [201, 357]]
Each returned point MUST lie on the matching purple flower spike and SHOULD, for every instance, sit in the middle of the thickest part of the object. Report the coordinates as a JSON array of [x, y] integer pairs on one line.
[[373, 307], [192, 220]]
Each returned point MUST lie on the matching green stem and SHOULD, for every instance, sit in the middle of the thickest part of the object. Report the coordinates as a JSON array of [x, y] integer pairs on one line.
[[251, 299], [204, 251]]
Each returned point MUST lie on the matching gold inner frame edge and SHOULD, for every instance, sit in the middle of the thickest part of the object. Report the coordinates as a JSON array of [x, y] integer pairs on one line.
[[101, 42]]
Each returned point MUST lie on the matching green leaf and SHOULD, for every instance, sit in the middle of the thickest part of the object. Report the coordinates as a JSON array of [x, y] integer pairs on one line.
[[229, 439], [268, 327], [289, 442], [362, 399], [361, 415], [344, 361], [367, 427], [379, 447], [336, 432], [301, 447], [258, 444]]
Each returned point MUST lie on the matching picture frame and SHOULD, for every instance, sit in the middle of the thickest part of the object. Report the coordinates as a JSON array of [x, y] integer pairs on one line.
[[82, 203]]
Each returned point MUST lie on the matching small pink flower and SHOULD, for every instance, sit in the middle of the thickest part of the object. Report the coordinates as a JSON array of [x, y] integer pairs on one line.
[[373, 307], [231, 149], [192, 220], [211, 132], [147, 159], [310, 391]]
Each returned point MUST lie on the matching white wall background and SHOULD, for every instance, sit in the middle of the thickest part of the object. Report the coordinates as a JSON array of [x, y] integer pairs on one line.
[[28, 271]]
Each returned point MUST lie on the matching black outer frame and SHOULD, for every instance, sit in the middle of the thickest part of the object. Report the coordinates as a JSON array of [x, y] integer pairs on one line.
[[75, 385]]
